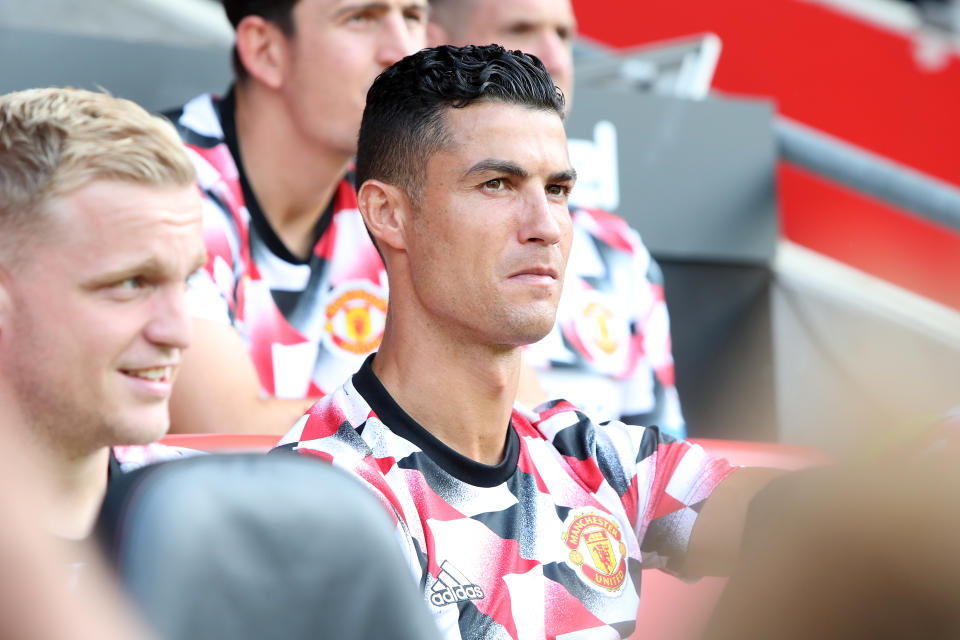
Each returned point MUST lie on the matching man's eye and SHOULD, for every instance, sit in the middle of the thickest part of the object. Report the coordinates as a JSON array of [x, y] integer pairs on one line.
[[495, 185], [415, 15], [131, 284], [520, 29], [561, 190]]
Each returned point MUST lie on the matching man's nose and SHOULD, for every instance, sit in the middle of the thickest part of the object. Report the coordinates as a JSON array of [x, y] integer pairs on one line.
[[169, 323], [544, 221], [400, 38]]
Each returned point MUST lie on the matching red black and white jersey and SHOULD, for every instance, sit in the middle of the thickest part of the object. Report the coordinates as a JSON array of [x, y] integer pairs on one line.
[[547, 544], [609, 351], [307, 324]]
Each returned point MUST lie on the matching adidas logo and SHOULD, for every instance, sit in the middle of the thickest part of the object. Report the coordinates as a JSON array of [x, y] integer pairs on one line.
[[452, 587]]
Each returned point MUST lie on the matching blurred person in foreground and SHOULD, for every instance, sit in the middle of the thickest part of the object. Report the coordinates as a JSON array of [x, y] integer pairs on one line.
[[293, 295], [868, 549], [609, 351], [35, 562], [100, 227], [517, 523]]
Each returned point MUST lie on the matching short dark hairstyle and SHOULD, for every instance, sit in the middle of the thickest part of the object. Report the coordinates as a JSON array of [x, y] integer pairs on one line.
[[279, 12], [403, 121]]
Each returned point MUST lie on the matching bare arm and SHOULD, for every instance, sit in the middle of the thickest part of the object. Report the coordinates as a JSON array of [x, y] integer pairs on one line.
[[217, 389], [714, 548]]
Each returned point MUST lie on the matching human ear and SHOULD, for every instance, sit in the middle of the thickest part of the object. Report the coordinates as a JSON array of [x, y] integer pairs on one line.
[[262, 48], [385, 209]]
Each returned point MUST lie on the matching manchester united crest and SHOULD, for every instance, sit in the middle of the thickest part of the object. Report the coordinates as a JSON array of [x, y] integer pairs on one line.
[[600, 320], [355, 317], [596, 549], [603, 330]]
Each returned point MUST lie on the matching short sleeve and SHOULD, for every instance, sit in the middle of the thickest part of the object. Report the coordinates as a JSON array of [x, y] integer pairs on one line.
[[676, 477]]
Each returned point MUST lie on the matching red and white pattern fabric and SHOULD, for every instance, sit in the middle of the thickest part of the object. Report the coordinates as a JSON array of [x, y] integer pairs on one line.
[[307, 324], [550, 542], [132, 457], [610, 351]]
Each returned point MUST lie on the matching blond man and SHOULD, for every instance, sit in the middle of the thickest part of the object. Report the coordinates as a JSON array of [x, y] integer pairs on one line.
[[100, 227]]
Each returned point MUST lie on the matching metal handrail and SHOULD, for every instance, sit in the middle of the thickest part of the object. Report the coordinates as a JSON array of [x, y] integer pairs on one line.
[[840, 161], [868, 172]]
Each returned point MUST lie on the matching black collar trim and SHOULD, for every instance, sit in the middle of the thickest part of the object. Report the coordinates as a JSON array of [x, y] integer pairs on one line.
[[457, 465], [226, 109]]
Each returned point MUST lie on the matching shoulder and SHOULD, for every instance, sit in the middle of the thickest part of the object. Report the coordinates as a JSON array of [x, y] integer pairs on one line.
[[608, 452], [197, 122], [330, 426], [620, 451], [199, 127], [342, 429], [574, 433]]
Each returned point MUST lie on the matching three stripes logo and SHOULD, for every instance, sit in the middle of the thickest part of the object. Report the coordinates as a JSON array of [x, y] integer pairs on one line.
[[452, 587]]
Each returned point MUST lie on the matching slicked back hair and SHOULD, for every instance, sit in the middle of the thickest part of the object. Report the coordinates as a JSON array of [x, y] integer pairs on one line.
[[404, 124], [56, 141], [278, 12]]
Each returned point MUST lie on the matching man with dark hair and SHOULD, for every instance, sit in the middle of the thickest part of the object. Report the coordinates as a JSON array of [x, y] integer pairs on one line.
[[294, 293], [519, 524], [610, 351]]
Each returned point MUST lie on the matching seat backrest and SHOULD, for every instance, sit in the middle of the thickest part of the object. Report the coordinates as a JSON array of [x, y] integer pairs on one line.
[[223, 442], [260, 546]]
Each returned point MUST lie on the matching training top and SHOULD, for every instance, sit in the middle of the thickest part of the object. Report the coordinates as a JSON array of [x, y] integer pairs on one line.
[[307, 324], [610, 351], [547, 544]]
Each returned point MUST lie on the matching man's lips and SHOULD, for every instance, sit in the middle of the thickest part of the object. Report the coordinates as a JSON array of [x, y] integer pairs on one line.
[[536, 272], [162, 373]]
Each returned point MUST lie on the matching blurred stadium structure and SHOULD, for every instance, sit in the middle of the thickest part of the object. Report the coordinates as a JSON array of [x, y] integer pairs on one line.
[[804, 310]]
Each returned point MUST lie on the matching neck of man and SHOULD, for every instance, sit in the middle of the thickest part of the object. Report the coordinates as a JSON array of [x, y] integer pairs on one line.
[[72, 485], [79, 484], [294, 179], [459, 391]]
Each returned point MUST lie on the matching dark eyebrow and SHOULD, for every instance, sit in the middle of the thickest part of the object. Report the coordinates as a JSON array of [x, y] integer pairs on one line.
[[360, 6], [505, 167], [148, 265], [374, 5], [568, 175], [491, 165]]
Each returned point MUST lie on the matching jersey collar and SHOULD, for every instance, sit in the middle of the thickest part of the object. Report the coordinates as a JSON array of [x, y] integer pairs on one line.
[[399, 422]]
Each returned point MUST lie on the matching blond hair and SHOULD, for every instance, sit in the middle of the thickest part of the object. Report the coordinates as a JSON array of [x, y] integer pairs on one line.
[[56, 141]]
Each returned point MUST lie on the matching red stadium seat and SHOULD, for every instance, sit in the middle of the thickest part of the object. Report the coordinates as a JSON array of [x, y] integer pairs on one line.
[[223, 442]]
